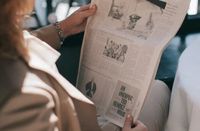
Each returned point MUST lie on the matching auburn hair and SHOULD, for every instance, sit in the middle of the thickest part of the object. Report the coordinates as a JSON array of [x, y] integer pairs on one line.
[[11, 32]]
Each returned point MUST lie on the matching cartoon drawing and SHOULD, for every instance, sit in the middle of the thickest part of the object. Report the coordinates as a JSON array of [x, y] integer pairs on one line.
[[115, 51], [116, 10], [109, 50], [132, 21], [139, 22], [150, 24], [90, 88], [121, 55]]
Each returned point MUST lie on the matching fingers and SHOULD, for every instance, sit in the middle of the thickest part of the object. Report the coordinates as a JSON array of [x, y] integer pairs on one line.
[[128, 125], [84, 7], [76, 22], [128, 122], [89, 11]]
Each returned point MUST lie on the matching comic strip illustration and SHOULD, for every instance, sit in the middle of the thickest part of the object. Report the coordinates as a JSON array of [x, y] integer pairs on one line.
[[115, 50], [136, 22], [116, 10]]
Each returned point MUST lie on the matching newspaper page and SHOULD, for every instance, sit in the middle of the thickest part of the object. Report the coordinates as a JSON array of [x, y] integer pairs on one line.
[[121, 51]]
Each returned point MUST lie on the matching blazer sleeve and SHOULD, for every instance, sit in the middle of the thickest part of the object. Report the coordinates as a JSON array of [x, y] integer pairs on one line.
[[48, 34], [28, 112]]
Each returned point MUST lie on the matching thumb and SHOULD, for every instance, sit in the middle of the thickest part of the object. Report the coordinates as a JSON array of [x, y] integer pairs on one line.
[[128, 122]]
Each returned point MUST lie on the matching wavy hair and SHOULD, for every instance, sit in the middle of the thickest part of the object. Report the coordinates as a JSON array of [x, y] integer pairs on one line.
[[11, 35]]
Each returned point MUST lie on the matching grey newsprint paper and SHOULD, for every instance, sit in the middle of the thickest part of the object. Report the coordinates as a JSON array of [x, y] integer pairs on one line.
[[121, 51]]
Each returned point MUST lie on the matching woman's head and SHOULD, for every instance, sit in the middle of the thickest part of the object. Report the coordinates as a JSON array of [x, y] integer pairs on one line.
[[11, 17]]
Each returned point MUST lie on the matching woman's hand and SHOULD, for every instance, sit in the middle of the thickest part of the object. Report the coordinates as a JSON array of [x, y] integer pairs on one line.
[[76, 22], [138, 126]]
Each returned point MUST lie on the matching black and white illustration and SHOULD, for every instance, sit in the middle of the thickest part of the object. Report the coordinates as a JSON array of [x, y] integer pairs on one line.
[[115, 50], [116, 10], [150, 24], [90, 88], [140, 22], [133, 18], [136, 21], [92, 84]]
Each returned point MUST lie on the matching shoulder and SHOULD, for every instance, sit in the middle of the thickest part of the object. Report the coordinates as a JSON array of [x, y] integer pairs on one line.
[[23, 102], [12, 72], [19, 81]]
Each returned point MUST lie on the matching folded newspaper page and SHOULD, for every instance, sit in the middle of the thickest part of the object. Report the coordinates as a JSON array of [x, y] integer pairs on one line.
[[121, 51]]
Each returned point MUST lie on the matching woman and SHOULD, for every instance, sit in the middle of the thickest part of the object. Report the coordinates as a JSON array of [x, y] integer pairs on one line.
[[34, 96]]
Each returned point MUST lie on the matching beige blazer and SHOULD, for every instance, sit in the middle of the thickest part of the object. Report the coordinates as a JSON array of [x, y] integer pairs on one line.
[[35, 97]]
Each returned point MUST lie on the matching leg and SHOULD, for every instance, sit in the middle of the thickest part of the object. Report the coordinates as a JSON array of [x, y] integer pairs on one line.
[[155, 109]]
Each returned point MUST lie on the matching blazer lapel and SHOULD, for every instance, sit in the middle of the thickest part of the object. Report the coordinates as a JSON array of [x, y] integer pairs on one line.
[[85, 109]]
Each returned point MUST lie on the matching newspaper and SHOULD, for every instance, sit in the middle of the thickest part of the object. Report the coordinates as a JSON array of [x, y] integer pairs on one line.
[[121, 51]]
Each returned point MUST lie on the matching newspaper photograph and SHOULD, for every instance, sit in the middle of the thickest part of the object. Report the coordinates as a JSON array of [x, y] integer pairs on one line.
[[122, 46]]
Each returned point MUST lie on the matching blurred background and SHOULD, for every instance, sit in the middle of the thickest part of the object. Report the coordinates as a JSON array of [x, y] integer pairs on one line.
[[49, 11]]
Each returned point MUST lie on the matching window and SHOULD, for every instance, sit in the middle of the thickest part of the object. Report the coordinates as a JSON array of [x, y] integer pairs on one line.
[[194, 10]]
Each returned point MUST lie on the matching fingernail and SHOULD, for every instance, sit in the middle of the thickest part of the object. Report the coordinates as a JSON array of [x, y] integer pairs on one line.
[[92, 7], [128, 116]]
